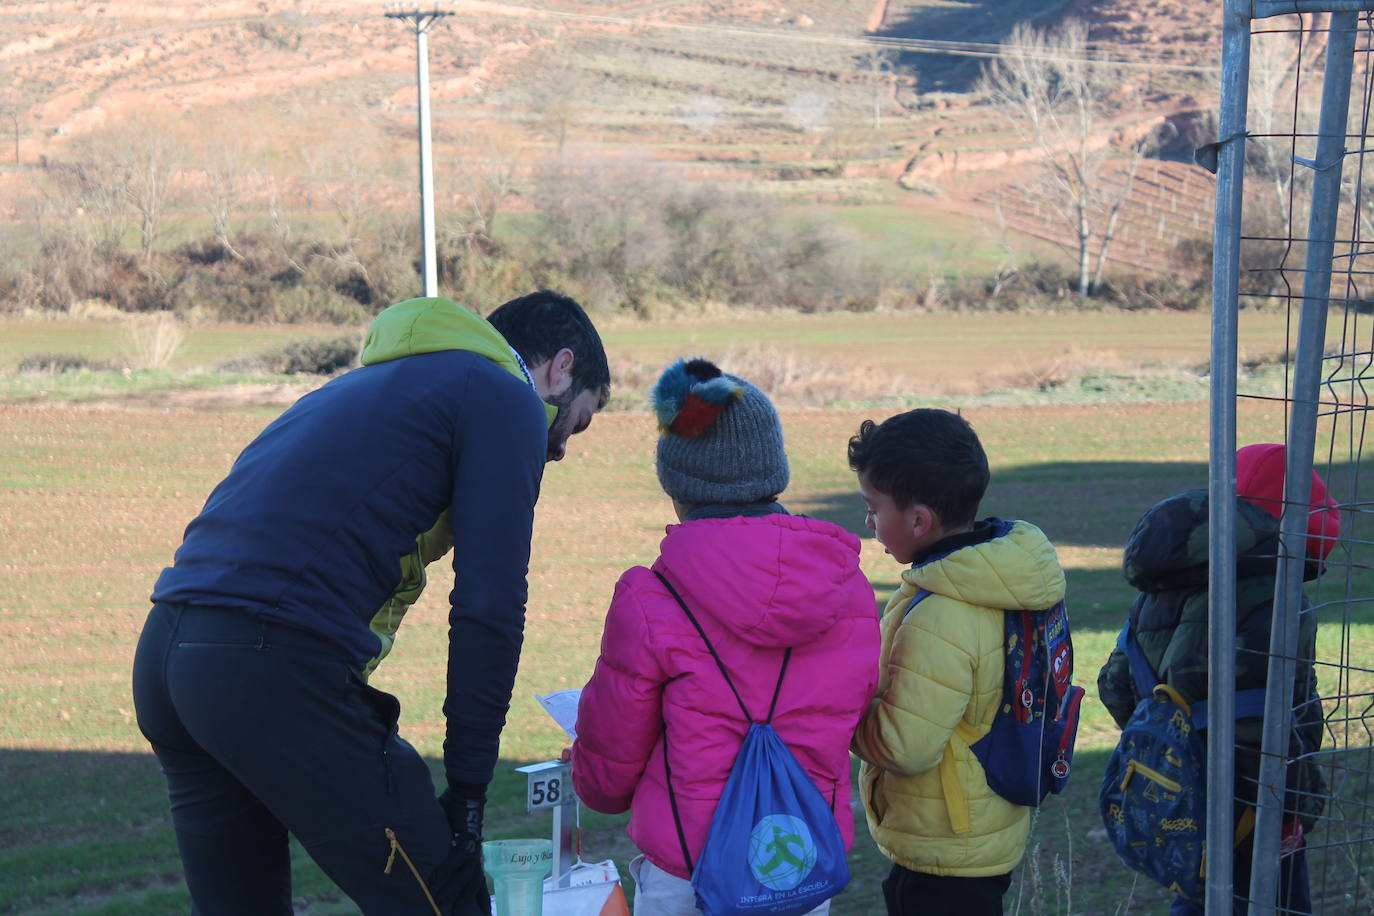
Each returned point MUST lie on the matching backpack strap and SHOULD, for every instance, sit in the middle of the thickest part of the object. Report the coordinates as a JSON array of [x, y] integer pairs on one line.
[[1249, 703], [786, 657], [704, 638], [1023, 698], [667, 770], [921, 595], [1058, 647], [672, 801], [1142, 672]]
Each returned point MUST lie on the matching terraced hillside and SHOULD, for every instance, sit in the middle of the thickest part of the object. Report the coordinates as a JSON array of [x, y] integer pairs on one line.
[[786, 95], [1167, 202]]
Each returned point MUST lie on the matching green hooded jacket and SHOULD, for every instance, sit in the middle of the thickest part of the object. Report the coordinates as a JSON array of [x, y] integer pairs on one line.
[[1166, 559], [428, 325]]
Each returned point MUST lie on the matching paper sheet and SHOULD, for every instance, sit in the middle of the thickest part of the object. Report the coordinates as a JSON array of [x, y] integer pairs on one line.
[[562, 705]]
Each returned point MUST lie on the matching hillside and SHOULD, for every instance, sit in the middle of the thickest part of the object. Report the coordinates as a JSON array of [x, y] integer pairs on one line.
[[779, 94]]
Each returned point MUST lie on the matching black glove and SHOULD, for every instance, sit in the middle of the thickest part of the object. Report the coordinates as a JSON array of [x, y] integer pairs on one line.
[[458, 883]]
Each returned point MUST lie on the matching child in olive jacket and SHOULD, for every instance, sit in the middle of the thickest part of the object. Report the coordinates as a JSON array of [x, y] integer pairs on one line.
[[1166, 559]]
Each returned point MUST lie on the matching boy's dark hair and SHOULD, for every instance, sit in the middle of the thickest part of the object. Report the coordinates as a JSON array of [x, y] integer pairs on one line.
[[927, 456], [540, 324]]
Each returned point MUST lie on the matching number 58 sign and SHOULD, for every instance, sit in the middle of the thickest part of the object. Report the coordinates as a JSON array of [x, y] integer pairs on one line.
[[550, 785], [545, 792]]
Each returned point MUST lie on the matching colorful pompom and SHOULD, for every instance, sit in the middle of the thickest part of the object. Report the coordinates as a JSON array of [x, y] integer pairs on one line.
[[690, 395]]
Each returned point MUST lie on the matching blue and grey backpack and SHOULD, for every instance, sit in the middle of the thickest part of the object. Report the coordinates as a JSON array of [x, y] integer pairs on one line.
[[1028, 752], [774, 846], [1154, 792]]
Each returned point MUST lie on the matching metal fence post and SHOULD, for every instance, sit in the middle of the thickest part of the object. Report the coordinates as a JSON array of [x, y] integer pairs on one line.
[[1302, 434], [1221, 483]]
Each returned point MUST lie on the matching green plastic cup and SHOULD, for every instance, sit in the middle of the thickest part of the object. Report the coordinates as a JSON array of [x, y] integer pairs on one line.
[[517, 869]]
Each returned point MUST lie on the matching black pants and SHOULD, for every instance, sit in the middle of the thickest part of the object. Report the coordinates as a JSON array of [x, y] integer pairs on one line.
[[914, 893], [264, 730]]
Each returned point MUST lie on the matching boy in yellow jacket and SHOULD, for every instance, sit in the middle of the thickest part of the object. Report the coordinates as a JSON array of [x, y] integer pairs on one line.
[[952, 840]]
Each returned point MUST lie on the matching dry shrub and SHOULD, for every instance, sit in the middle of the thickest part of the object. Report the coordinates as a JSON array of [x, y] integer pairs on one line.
[[310, 356], [272, 280], [1060, 369], [631, 235], [58, 363], [95, 310], [150, 342], [1074, 364], [1186, 285], [70, 268], [1033, 284]]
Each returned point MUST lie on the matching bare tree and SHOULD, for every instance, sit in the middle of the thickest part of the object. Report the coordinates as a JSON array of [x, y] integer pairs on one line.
[[996, 232], [1060, 96], [479, 180], [839, 122], [87, 196], [847, 134], [226, 162], [349, 171], [1273, 111], [356, 173], [553, 90], [148, 154], [11, 107], [127, 167], [272, 189], [878, 66]]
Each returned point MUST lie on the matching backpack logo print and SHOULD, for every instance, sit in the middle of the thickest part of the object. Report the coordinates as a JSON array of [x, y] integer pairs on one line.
[[781, 851]]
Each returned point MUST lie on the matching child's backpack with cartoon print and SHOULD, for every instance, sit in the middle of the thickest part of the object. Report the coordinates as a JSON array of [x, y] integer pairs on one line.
[[1028, 752], [1154, 792]]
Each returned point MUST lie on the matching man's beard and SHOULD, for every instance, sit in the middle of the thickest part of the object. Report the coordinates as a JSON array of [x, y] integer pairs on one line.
[[560, 428]]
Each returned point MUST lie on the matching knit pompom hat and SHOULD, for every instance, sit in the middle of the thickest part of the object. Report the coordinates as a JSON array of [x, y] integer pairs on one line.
[[1260, 471], [721, 441]]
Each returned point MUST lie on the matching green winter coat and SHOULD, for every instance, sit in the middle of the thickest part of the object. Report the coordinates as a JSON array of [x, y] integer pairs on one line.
[[1166, 559]]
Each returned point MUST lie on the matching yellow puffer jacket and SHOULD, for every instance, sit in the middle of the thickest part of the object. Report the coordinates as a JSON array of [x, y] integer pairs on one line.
[[928, 803]]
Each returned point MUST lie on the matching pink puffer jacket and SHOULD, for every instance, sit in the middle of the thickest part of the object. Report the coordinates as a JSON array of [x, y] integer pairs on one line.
[[757, 586]]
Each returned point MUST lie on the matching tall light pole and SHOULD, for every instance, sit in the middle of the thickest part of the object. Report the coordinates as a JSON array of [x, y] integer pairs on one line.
[[419, 21]]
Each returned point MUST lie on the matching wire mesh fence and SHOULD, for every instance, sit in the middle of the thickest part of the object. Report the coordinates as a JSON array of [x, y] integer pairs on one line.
[[1295, 231]]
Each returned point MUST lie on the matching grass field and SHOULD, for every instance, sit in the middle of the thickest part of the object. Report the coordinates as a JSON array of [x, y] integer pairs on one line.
[[884, 358], [93, 501]]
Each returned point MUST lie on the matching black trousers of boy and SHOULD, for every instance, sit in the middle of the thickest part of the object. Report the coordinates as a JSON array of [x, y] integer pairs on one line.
[[264, 730], [914, 893]]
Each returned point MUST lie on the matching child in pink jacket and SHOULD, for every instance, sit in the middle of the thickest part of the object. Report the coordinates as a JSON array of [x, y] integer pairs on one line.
[[759, 581]]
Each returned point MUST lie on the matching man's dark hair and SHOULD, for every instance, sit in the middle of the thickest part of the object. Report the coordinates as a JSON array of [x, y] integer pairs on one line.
[[540, 324], [927, 456]]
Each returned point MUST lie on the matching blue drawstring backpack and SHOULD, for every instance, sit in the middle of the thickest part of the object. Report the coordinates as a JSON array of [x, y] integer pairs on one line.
[[773, 846]]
